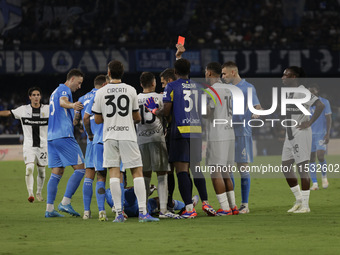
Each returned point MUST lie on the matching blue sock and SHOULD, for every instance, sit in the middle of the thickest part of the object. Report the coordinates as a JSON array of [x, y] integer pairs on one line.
[[73, 182], [231, 174], [323, 168], [52, 188], [108, 197], [185, 187], [100, 195], [178, 205], [245, 186], [123, 193], [312, 171], [87, 193]]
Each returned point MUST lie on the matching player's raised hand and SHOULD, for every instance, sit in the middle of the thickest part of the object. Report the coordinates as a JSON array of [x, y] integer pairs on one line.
[[151, 105], [180, 50], [78, 106]]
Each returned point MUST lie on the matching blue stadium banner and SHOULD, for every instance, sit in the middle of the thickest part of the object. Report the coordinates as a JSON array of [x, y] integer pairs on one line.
[[153, 60]]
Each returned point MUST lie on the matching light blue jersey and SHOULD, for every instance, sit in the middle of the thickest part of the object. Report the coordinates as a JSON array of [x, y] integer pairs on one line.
[[320, 125], [241, 129], [97, 129], [85, 100], [60, 123]]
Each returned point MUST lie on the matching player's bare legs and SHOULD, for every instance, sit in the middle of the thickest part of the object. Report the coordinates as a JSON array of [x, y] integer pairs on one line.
[[30, 181], [40, 182]]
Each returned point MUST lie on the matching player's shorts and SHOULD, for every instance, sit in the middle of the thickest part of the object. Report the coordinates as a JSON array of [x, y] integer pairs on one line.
[[220, 153], [154, 157], [98, 150], [35, 155], [125, 151], [243, 149], [185, 150], [298, 148], [318, 142], [89, 155], [64, 152]]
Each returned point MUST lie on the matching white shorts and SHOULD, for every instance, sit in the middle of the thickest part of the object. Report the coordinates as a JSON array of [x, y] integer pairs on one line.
[[221, 153], [125, 151], [154, 157], [35, 155], [299, 148]]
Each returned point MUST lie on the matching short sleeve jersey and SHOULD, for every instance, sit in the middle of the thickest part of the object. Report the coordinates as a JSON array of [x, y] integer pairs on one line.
[[320, 125], [34, 123], [150, 129], [116, 102], [97, 129], [60, 124], [185, 98]]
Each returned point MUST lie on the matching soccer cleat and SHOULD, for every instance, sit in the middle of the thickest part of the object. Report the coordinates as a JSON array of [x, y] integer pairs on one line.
[[221, 212], [324, 183], [54, 213], [153, 188], [315, 186], [302, 209], [39, 197], [171, 209], [31, 199], [125, 215], [102, 216], [208, 209], [169, 215], [68, 209], [119, 219], [189, 215], [87, 215], [295, 207], [235, 210], [147, 218], [243, 209], [195, 200]]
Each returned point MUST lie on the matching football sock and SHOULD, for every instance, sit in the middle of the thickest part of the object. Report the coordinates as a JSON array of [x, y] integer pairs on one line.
[[201, 187], [139, 187], [171, 188], [87, 193], [312, 171], [297, 192], [178, 205], [323, 168], [52, 188], [40, 179], [29, 178], [123, 194], [108, 197], [245, 186], [116, 194], [223, 200], [185, 187], [100, 195], [231, 198], [163, 191], [305, 198], [73, 184], [147, 181]]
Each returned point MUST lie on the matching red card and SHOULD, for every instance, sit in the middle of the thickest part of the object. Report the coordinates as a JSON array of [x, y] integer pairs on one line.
[[181, 40]]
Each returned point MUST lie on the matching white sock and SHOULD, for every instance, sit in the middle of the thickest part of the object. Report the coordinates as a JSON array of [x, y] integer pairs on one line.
[[29, 178], [139, 187], [147, 181], [297, 192], [49, 207], [305, 198], [231, 199], [116, 193], [163, 192], [223, 200], [40, 179], [66, 201], [189, 207]]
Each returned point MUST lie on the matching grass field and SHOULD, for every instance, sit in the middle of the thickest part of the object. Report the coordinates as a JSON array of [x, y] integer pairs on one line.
[[268, 229]]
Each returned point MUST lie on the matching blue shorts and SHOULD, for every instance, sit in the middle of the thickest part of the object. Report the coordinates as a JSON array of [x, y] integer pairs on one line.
[[318, 142], [98, 149], [243, 149], [64, 152], [185, 150], [89, 155]]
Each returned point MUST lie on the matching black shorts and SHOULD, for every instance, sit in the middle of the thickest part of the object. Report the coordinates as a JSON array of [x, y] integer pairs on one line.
[[185, 150]]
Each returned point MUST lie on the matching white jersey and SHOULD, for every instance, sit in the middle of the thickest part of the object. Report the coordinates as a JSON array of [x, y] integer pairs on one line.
[[294, 113], [116, 102], [150, 129], [222, 114], [34, 123]]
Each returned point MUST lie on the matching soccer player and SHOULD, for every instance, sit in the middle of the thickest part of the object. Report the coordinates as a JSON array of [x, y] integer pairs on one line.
[[34, 121], [221, 141], [116, 106], [243, 132], [298, 142], [63, 149], [321, 129], [151, 142]]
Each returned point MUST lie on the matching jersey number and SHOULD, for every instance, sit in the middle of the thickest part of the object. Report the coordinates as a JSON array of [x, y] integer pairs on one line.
[[229, 105], [43, 155], [143, 110], [187, 94], [123, 103]]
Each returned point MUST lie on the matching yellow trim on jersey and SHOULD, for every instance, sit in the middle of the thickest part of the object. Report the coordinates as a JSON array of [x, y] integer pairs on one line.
[[172, 96], [190, 129]]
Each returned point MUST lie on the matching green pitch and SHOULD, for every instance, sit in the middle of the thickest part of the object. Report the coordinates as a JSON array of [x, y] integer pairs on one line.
[[268, 229]]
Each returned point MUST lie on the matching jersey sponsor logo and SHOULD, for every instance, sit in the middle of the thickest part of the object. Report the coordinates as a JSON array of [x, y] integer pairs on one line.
[[39, 122], [147, 133], [64, 93], [117, 128]]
